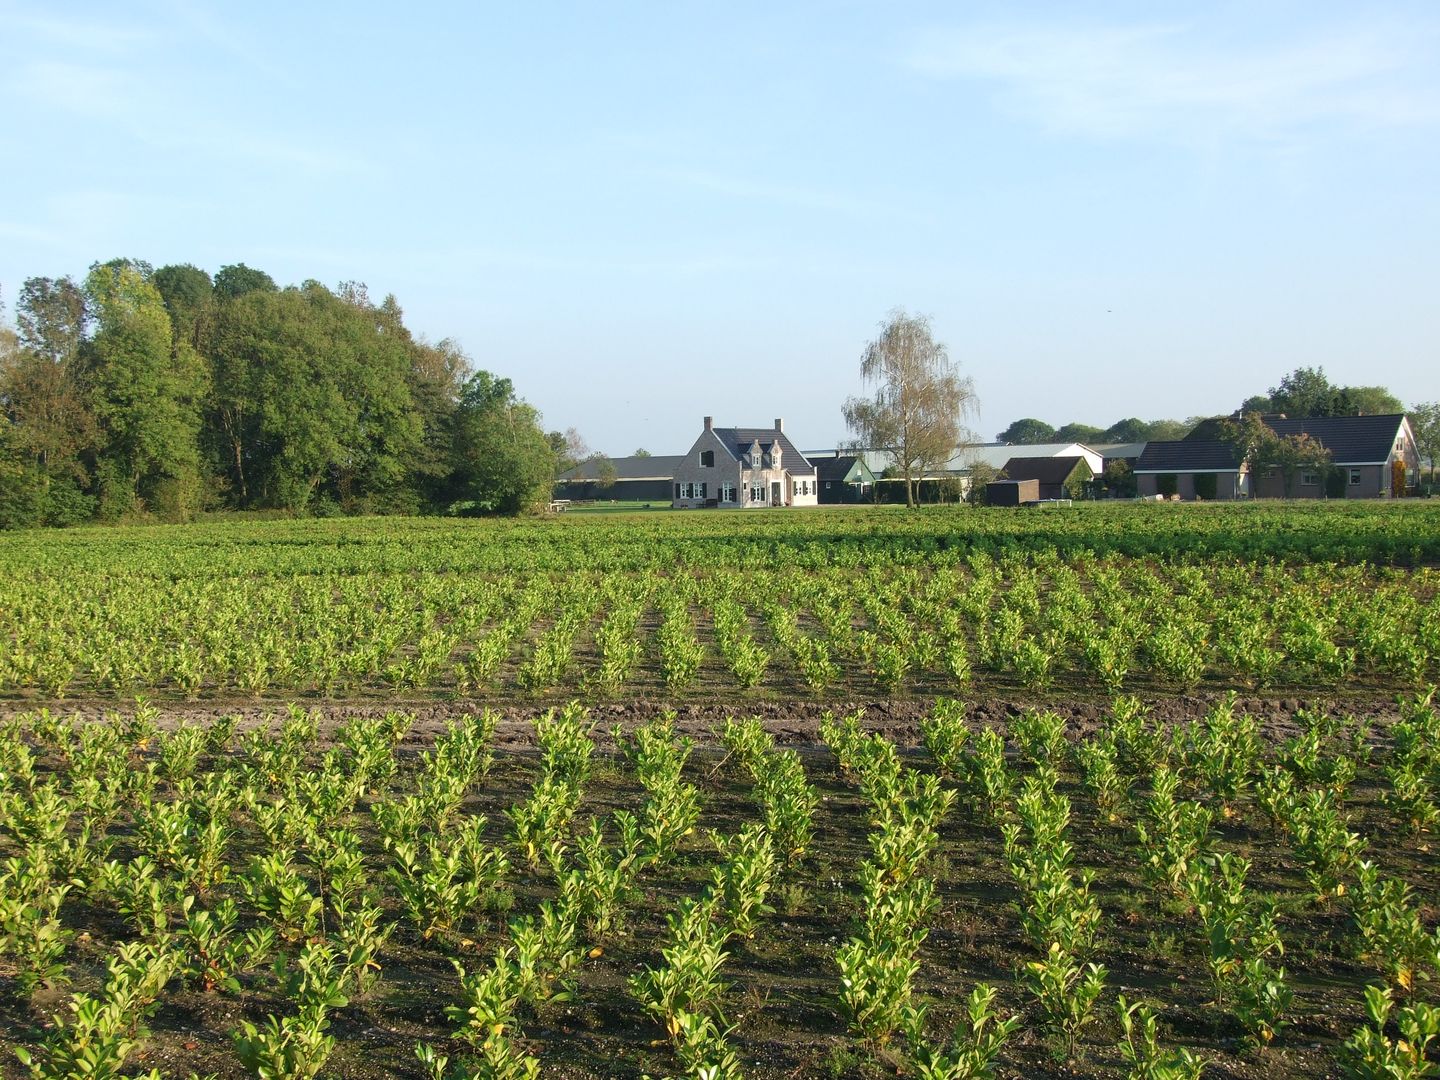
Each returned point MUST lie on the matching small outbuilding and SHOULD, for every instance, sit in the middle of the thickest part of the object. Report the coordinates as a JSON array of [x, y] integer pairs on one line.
[[1012, 492], [844, 478], [1057, 477]]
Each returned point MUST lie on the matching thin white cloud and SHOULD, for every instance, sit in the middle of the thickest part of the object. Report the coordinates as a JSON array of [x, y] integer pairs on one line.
[[76, 33], [805, 198], [1177, 82], [88, 90], [233, 38]]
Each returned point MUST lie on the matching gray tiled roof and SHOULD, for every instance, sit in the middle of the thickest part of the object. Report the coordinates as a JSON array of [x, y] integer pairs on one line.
[[738, 439], [1188, 455], [1111, 451], [1351, 440], [1047, 470]]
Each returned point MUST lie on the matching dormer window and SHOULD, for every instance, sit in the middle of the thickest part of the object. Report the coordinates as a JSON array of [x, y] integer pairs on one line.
[[755, 455], [707, 459], [775, 456]]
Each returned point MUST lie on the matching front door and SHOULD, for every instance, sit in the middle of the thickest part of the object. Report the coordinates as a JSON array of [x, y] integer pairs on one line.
[[775, 497]]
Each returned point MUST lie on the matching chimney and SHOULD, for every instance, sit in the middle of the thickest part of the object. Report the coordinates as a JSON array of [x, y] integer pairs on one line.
[[779, 423], [709, 423]]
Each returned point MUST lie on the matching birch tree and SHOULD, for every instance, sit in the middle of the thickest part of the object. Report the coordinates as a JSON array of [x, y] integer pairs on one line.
[[916, 412]]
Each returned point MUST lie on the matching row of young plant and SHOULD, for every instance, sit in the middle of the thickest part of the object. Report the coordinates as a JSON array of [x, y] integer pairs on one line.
[[1400, 533], [1017, 619], [220, 863], [246, 854], [1170, 786]]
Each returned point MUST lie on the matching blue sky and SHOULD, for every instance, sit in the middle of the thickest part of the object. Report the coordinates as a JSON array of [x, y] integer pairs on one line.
[[645, 213]]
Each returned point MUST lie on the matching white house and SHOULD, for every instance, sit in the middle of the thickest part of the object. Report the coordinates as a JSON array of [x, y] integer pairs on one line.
[[744, 467]]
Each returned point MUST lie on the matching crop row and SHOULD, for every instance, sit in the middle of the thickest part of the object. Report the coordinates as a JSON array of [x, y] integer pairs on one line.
[[1391, 533], [311, 886], [1030, 622]]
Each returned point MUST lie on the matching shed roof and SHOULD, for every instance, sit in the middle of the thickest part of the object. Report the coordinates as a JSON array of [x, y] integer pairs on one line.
[[1047, 470], [840, 468]]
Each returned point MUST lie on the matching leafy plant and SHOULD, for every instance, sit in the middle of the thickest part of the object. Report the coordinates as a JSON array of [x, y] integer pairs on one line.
[[1370, 1054]]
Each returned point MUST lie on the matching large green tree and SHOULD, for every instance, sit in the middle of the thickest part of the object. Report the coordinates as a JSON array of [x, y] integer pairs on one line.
[[1307, 392], [502, 461], [312, 399], [1370, 401], [52, 429], [1304, 392], [146, 400], [1131, 429], [189, 296], [52, 316], [237, 279]]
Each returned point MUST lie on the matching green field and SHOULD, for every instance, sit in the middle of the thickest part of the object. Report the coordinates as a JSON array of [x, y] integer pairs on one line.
[[684, 607], [862, 792]]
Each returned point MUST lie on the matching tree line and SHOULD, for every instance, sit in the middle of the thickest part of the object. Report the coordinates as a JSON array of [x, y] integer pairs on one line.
[[144, 393], [1029, 431], [1304, 393]]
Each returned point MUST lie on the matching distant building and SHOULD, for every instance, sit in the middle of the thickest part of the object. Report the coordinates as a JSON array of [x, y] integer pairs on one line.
[[844, 478], [636, 479], [1057, 477], [952, 479], [1191, 469], [1370, 457], [997, 455], [744, 467]]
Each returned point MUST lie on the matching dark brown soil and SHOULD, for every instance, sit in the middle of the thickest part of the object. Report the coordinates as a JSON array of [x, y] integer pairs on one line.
[[793, 723], [783, 984]]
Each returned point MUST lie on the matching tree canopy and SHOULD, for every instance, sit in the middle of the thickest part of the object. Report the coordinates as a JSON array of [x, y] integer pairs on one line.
[[1307, 392], [1027, 431], [503, 462], [161, 393], [1078, 432]]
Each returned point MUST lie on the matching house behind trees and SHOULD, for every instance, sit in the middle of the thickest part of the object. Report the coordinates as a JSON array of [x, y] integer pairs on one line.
[[1370, 457]]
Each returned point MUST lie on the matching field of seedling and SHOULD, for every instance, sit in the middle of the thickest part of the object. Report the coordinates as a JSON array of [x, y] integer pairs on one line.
[[1142, 792]]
